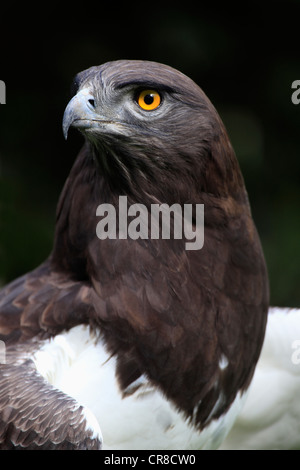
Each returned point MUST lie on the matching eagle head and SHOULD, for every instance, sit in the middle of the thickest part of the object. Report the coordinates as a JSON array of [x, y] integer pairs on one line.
[[147, 122]]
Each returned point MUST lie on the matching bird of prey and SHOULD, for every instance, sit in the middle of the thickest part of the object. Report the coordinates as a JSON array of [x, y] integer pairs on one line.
[[137, 343]]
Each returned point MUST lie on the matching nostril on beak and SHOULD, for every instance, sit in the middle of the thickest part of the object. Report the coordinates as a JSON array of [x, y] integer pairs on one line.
[[92, 102]]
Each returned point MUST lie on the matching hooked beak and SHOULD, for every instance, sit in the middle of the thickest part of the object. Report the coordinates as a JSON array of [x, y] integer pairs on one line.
[[80, 111]]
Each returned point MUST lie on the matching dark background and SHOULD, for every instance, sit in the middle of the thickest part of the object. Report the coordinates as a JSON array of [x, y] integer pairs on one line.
[[244, 58]]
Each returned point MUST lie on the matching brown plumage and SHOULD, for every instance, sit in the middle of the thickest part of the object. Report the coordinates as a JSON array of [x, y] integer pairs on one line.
[[163, 311]]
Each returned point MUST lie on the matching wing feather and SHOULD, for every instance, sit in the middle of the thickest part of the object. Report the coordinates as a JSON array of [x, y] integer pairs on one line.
[[42, 302], [35, 415]]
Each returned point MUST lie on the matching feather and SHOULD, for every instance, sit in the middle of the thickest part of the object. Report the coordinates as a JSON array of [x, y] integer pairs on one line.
[[270, 418]]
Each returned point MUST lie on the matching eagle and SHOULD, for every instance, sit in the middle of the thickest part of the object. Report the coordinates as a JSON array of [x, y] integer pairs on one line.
[[137, 342]]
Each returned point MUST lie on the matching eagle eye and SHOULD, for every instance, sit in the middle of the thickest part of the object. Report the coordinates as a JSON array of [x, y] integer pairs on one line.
[[148, 99]]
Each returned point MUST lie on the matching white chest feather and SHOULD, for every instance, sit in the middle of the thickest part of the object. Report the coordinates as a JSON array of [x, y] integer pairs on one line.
[[270, 418], [75, 364]]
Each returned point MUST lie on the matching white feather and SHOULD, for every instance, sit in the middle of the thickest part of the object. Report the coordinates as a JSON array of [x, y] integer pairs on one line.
[[74, 363], [270, 418]]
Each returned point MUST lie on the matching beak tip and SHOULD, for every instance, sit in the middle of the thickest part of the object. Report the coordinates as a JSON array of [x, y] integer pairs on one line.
[[65, 132], [67, 122]]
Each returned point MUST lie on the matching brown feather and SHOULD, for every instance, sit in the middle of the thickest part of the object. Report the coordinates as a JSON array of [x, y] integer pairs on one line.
[[33, 414]]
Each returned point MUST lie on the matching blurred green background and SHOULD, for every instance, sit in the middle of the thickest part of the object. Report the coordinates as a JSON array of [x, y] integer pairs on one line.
[[244, 58]]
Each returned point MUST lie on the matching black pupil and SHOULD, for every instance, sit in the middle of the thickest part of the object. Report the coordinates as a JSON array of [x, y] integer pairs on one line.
[[149, 99]]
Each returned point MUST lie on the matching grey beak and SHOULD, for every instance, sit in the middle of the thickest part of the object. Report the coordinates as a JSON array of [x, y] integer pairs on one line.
[[79, 112]]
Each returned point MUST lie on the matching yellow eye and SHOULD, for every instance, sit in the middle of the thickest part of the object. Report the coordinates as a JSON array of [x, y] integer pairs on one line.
[[149, 100]]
